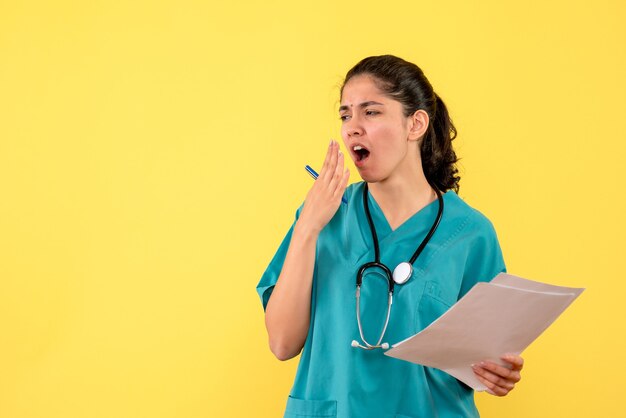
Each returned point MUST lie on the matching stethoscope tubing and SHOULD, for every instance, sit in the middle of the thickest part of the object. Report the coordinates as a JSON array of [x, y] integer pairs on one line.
[[378, 264]]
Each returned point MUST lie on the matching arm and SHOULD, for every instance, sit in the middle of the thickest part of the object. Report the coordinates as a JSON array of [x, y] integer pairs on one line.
[[485, 260], [288, 310]]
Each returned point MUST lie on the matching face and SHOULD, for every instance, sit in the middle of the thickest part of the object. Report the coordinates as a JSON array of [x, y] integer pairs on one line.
[[379, 138]]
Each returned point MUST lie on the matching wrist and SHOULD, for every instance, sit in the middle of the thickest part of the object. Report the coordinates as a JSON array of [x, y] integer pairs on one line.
[[306, 230]]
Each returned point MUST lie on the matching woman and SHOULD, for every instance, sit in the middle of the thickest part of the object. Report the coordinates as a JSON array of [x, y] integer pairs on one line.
[[399, 135]]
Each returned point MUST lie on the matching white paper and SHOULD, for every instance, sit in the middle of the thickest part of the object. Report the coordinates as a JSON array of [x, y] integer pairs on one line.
[[492, 319]]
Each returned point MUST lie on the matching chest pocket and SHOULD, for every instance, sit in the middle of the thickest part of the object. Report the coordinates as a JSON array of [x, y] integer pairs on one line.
[[431, 305]]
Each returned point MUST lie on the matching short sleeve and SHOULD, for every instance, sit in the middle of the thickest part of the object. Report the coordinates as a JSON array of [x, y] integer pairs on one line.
[[269, 278], [484, 259]]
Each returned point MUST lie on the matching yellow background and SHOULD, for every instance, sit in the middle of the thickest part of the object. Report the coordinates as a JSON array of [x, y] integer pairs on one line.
[[151, 160]]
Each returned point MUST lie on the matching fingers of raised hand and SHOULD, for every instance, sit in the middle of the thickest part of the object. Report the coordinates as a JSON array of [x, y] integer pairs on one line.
[[344, 180], [337, 173], [332, 181], [330, 163], [343, 183], [333, 178]]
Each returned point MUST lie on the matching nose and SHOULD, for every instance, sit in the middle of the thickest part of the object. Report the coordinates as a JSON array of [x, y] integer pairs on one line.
[[353, 127], [354, 132]]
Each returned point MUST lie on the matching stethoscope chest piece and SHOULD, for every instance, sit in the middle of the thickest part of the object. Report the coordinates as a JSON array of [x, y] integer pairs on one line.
[[402, 273]]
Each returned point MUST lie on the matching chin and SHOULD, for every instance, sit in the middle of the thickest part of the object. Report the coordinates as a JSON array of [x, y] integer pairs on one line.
[[370, 175], [370, 178]]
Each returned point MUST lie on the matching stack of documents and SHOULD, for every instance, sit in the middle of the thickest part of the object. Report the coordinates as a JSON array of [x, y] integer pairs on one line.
[[492, 319]]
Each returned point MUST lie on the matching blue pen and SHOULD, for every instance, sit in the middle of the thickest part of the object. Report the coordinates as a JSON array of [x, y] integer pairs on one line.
[[315, 175]]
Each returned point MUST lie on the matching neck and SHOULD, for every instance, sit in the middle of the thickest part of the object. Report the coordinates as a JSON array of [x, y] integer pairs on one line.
[[400, 197]]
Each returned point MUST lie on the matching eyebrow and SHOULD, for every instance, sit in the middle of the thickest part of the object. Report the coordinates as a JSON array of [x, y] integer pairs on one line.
[[362, 105]]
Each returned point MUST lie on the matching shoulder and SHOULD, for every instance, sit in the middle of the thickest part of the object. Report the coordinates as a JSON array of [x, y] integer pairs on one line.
[[354, 191], [471, 219]]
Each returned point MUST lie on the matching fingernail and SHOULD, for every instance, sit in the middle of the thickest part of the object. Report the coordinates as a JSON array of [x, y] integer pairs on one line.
[[340, 154]]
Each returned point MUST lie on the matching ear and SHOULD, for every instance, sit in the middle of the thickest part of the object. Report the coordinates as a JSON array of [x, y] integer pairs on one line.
[[418, 125]]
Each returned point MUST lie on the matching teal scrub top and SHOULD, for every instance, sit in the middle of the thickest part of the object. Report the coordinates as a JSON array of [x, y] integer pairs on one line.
[[335, 379]]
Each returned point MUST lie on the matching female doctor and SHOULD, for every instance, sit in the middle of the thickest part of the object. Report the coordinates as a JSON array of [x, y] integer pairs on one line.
[[405, 212]]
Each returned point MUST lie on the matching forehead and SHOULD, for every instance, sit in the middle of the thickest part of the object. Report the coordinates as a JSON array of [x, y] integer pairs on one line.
[[360, 89]]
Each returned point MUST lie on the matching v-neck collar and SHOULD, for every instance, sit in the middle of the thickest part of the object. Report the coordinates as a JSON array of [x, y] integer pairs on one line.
[[421, 219], [413, 229]]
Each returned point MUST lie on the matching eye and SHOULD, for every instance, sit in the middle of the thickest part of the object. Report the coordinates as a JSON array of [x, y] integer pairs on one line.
[[344, 117], [370, 112]]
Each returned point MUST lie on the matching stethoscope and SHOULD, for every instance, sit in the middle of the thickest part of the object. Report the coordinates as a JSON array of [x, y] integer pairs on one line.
[[401, 274]]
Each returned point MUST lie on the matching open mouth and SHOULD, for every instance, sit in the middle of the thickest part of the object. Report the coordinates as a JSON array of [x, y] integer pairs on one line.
[[360, 152]]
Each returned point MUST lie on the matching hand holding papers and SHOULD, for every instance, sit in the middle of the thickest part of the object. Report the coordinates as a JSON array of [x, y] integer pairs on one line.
[[492, 319]]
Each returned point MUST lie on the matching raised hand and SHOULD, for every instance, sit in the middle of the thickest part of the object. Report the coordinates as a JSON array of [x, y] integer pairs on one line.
[[324, 197]]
